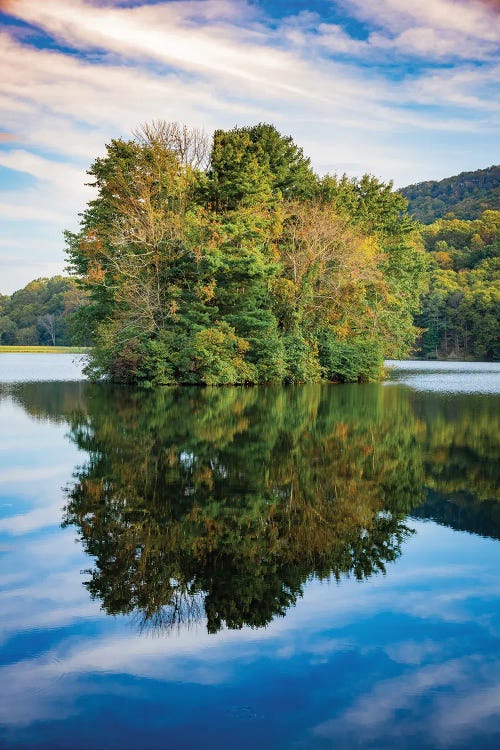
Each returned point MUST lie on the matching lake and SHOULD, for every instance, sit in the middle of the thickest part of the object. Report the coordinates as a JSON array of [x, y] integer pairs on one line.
[[310, 567]]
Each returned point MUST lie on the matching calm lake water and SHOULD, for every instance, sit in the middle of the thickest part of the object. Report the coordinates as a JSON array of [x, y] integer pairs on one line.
[[311, 567]]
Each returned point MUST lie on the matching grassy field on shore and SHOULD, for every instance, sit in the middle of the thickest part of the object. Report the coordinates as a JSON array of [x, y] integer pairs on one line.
[[43, 349]]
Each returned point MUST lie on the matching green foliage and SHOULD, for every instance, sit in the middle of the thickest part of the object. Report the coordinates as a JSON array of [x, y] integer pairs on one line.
[[302, 362], [387, 308], [461, 313], [372, 204], [353, 361], [257, 165], [44, 312], [232, 275], [466, 196], [220, 356]]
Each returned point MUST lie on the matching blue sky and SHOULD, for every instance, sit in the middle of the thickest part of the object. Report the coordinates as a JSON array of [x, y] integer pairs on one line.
[[403, 90]]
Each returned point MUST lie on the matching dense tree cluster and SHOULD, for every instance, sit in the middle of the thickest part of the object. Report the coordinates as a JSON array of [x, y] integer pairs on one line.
[[461, 313], [466, 196], [44, 312], [235, 263]]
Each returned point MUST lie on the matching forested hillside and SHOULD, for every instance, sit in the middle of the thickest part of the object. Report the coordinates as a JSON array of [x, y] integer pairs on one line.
[[466, 195], [461, 312], [43, 312], [233, 262]]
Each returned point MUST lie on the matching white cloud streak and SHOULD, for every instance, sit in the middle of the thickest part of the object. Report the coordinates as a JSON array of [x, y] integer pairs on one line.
[[218, 63]]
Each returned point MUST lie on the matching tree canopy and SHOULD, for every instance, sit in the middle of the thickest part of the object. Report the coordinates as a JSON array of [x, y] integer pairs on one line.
[[466, 195], [460, 314], [44, 312], [237, 264]]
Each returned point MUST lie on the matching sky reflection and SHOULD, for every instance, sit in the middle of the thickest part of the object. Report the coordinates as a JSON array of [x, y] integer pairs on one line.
[[409, 658]]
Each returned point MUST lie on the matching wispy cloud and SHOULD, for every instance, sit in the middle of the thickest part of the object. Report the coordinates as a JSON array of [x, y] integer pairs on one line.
[[461, 28], [453, 715], [6, 137], [83, 72]]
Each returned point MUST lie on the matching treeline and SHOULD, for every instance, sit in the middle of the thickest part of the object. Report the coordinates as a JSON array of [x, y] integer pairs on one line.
[[233, 262], [461, 312], [466, 195], [44, 312]]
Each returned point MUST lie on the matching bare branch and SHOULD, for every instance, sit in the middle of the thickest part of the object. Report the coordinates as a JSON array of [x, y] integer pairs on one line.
[[191, 145]]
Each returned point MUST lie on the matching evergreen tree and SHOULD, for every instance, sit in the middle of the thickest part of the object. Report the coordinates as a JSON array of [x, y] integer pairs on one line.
[[253, 271]]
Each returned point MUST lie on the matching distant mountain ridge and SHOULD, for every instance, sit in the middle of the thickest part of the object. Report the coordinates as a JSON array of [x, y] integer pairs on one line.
[[466, 195]]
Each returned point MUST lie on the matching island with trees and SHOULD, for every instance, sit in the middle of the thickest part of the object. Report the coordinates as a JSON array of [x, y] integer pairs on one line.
[[232, 262]]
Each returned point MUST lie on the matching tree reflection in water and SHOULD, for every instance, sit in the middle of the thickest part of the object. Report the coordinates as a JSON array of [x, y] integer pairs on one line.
[[219, 504], [223, 503]]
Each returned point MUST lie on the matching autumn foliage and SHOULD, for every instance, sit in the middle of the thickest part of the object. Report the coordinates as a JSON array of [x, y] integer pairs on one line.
[[235, 263]]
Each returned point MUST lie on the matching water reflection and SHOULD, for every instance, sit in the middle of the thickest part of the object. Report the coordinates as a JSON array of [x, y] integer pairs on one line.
[[218, 505], [222, 503], [447, 377]]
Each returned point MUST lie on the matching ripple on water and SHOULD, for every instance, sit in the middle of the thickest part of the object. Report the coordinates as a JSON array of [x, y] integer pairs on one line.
[[33, 368], [446, 377]]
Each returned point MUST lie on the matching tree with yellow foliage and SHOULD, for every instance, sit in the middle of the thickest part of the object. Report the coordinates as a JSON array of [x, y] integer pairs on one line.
[[241, 266]]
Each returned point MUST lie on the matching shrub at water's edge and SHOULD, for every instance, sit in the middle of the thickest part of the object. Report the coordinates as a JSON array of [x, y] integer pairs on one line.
[[233, 263]]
